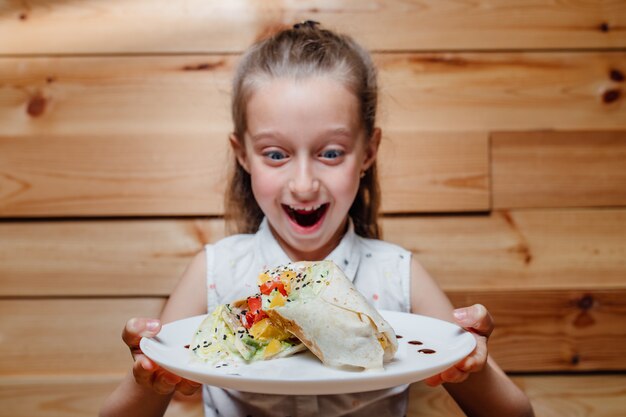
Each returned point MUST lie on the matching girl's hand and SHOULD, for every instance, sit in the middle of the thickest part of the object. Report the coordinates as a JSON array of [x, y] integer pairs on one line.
[[147, 373], [477, 320]]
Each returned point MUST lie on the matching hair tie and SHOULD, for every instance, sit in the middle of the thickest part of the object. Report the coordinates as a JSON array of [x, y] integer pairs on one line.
[[310, 24]]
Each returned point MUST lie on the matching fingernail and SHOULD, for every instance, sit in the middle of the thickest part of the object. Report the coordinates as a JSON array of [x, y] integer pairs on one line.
[[172, 379], [133, 325], [152, 325], [146, 365], [460, 314]]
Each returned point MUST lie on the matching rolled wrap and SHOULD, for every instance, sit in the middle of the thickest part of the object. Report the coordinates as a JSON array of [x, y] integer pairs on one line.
[[327, 313]]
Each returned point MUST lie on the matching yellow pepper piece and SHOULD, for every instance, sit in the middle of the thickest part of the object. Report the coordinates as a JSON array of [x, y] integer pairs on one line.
[[272, 348], [265, 330], [277, 301], [287, 275], [263, 278]]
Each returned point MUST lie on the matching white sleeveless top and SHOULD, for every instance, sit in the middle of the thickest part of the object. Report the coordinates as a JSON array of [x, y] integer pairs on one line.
[[379, 270]]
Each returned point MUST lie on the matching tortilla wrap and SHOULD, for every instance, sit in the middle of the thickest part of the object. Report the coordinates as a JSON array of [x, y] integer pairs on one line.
[[328, 314]]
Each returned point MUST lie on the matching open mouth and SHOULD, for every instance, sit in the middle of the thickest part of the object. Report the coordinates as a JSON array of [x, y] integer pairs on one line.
[[306, 216]]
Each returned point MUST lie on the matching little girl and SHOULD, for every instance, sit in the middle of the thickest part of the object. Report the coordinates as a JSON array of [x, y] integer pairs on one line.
[[305, 188]]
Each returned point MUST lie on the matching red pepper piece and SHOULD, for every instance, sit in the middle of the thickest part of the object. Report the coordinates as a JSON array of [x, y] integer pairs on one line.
[[269, 286]]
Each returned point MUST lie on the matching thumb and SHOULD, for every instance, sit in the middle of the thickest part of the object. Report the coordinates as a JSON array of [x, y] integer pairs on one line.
[[136, 328], [475, 318]]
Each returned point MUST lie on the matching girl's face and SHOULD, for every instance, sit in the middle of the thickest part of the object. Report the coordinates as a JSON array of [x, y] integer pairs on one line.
[[305, 150]]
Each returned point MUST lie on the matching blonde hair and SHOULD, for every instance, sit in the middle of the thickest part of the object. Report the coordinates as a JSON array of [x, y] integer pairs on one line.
[[297, 53]]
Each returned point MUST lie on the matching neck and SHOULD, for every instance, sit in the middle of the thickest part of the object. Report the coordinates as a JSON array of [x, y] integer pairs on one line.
[[318, 254]]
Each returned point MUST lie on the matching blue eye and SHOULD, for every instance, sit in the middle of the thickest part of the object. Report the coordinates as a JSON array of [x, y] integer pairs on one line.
[[274, 155], [332, 154]]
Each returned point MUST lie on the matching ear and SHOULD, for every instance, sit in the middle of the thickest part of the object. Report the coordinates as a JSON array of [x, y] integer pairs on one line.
[[240, 151], [371, 149]]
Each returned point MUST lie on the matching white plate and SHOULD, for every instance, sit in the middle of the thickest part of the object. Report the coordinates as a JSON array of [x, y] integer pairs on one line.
[[304, 374]]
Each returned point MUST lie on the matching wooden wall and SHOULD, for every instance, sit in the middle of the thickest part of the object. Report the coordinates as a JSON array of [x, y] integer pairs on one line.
[[503, 168]]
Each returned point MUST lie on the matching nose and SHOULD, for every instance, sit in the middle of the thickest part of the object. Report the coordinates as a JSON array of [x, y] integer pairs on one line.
[[304, 183]]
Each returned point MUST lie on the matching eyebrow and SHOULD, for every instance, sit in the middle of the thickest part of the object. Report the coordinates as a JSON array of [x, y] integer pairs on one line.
[[339, 131]]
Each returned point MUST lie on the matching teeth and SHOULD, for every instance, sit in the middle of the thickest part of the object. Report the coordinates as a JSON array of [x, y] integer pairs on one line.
[[311, 208]]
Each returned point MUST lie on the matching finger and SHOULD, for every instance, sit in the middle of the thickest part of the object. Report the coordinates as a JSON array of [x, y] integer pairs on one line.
[[143, 370], [477, 359], [433, 381], [453, 375], [476, 318], [187, 387], [165, 382], [136, 328]]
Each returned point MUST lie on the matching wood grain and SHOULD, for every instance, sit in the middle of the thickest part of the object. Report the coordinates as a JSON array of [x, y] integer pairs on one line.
[[104, 257], [526, 249], [536, 331], [179, 95], [551, 396], [548, 249], [111, 176], [435, 171], [173, 175], [502, 91], [68, 336], [140, 26], [72, 396], [558, 169], [554, 330]]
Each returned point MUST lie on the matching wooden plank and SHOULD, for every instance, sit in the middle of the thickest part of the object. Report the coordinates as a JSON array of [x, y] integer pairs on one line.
[[107, 257], [116, 95], [111, 176], [558, 169], [536, 330], [525, 249], [63, 336], [502, 91], [551, 396], [180, 95], [435, 171], [170, 175], [198, 26], [72, 396], [554, 329], [538, 249]]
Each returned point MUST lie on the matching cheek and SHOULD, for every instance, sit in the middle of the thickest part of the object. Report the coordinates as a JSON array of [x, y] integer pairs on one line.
[[264, 184], [345, 187]]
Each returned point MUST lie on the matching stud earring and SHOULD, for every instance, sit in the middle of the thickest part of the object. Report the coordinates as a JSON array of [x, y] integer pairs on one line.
[[362, 174]]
